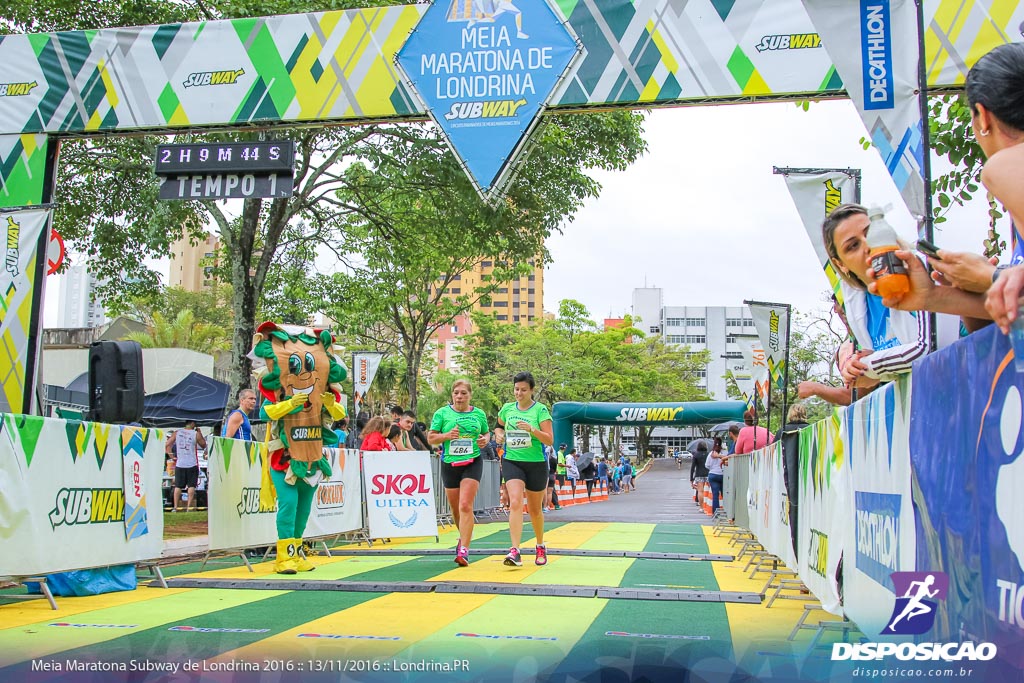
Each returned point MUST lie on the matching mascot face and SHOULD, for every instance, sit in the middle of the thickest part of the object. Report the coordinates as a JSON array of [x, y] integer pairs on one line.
[[298, 364]]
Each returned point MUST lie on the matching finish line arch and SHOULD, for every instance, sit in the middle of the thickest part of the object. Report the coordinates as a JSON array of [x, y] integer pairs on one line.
[[566, 414]]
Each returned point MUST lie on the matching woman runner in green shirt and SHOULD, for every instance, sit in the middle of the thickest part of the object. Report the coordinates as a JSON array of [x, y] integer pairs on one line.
[[527, 426], [463, 431]]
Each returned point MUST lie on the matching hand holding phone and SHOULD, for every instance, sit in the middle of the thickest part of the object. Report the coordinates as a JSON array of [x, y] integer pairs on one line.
[[928, 249]]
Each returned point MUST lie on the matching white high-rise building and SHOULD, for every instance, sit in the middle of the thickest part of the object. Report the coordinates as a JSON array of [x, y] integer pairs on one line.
[[77, 307], [699, 327]]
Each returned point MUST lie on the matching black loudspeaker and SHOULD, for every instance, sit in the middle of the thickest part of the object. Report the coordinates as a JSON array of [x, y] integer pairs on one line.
[[115, 382]]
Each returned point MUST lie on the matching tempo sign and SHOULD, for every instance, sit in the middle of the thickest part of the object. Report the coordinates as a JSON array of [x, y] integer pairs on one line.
[[227, 170]]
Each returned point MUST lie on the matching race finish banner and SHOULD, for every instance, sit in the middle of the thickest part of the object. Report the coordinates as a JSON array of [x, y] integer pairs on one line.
[[399, 494], [815, 195], [875, 46], [64, 495], [823, 513], [486, 71], [877, 433], [364, 369], [754, 359], [772, 324], [20, 231], [967, 490]]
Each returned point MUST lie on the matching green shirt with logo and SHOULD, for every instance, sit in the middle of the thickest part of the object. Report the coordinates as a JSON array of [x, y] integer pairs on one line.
[[472, 424], [520, 444]]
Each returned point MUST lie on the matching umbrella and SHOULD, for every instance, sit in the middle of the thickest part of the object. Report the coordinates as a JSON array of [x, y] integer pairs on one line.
[[724, 427], [692, 446], [584, 460]]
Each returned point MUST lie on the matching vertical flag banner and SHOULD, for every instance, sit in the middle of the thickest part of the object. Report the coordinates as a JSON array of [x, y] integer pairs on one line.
[[754, 357], [815, 195], [874, 45], [364, 369], [20, 232], [743, 375], [772, 322]]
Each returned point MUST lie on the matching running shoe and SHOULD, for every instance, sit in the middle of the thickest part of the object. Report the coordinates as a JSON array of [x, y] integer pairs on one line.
[[558, 507], [513, 559], [541, 557], [462, 556]]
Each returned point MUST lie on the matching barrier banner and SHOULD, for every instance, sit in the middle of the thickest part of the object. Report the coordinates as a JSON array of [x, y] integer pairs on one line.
[[20, 232], [772, 324], [815, 195], [236, 518], [754, 359], [875, 49], [62, 505], [968, 464], [824, 509], [338, 504], [399, 494], [882, 541], [768, 504]]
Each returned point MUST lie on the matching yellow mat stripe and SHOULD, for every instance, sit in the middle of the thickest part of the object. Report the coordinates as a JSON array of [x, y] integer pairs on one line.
[[23, 613]]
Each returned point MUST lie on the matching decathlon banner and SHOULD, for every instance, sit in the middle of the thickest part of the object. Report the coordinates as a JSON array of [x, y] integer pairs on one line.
[[815, 195], [823, 512], [967, 456], [338, 504], [21, 231], [874, 45], [768, 504], [399, 494], [63, 498], [882, 538], [365, 365], [754, 359], [772, 324]]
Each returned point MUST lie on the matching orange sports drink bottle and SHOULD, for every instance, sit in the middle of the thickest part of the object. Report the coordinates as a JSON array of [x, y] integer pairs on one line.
[[890, 272]]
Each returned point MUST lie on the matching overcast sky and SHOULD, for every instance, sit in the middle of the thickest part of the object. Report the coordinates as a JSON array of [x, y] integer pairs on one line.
[[702, 216]]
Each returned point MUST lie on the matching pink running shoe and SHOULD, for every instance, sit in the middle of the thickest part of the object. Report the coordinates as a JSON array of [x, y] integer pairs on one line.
[[513, 559], [541, 557], [462, 556]]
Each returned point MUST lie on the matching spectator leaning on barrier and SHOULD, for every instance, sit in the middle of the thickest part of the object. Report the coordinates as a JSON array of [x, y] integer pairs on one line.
[[375, 435], [751, 437]]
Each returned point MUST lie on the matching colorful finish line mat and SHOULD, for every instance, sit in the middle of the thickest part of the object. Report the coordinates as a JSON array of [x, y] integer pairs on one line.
[[237, 634]]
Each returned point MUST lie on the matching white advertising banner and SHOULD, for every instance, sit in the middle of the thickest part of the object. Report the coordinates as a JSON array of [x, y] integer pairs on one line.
[[768, 504], [399, 494], [338, 504], [62, 505], [365, 365], [882, 537], [20, 231], [824, 509], [772, 324], [236, 518], [815, 195], [754, 359], [133, 448], [874, 45]]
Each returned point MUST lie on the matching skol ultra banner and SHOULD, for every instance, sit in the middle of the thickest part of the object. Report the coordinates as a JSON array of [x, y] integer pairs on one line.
[[64, 495], [875, 44], [20, 232], [756, 361], [772, 324], [824, 520], [364, 369], [882, 540], [815, 195], [967, 454], [399, 494], [768, 504]]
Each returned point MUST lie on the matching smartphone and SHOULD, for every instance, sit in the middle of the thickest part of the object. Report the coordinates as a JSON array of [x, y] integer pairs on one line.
[[928, 249]]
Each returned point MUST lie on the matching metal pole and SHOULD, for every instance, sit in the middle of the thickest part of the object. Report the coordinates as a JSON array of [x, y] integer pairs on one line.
[[785, 378], [928, 227]]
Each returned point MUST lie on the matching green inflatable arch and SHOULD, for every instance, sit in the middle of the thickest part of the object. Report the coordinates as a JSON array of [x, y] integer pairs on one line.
[[565, 415]]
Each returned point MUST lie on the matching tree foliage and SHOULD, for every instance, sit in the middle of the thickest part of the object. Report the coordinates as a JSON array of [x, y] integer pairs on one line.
[[182, 331]]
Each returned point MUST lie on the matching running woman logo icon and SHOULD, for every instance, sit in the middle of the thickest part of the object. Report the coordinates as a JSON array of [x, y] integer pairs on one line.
[[914, 612]]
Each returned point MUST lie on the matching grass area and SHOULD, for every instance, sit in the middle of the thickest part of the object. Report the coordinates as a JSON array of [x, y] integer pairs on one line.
[[185, 524]]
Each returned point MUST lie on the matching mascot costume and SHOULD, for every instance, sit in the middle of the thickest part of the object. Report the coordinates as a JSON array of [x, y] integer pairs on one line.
[[301, 398]]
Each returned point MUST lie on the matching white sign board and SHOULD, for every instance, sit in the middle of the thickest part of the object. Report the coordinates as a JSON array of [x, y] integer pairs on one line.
[[399, 494]]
